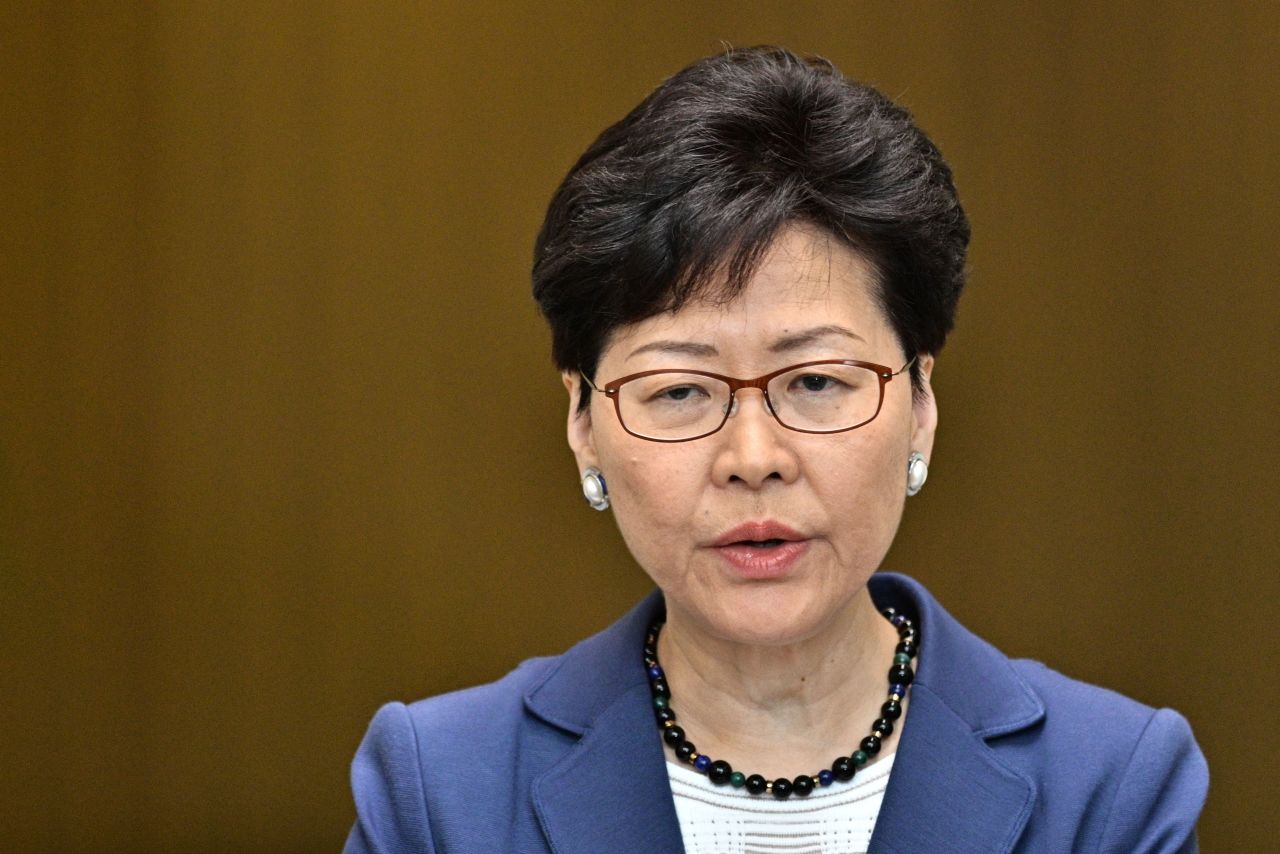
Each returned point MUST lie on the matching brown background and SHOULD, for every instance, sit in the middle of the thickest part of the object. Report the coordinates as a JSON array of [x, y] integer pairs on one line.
[[263, 266]]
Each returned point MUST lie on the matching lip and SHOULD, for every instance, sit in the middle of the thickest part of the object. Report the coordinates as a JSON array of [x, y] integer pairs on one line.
[[759, 531], [759, 564]]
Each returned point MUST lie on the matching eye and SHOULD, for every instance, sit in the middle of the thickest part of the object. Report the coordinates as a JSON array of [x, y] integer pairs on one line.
[[678, 394], [814, 383]]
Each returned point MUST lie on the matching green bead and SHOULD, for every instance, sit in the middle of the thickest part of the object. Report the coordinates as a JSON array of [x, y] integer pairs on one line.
[[660, 702], [902, 658], [737, 779], [859, 758]]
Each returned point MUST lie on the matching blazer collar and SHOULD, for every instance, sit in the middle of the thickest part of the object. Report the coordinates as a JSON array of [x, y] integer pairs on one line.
[[948, 789]]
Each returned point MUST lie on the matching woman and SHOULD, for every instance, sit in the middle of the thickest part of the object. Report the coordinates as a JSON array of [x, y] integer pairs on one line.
[[748, 280]]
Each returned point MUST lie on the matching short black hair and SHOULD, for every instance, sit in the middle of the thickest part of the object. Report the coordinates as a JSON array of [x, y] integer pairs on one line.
[[694, 184]]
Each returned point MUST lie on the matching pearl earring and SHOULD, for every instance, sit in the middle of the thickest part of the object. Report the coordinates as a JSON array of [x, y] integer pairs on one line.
[[594, 489], [917, 472]]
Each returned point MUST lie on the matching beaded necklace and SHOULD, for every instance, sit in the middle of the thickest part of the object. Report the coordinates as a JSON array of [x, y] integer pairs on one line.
[[720, 772]]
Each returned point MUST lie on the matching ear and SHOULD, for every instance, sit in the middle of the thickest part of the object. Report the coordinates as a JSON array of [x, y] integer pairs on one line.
[[581, 437], [924, 410]]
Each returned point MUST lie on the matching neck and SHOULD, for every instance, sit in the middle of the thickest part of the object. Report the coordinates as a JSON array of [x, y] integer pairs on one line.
[[785, 710]]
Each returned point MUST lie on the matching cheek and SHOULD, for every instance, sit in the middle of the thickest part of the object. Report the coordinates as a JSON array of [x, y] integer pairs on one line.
[[653, 492], [864, 495], [863, 462]]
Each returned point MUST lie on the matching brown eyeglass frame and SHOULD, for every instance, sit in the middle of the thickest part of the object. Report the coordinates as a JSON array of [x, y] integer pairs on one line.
[[735, 384]]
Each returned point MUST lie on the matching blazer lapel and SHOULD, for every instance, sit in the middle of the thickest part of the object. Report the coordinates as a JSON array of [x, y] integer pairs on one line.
[[948, 790], [610, 792]]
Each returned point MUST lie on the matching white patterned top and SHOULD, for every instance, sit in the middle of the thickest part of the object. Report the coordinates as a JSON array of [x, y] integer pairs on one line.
[[837, 819]]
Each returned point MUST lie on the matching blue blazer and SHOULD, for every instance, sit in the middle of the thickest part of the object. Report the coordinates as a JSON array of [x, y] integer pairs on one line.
[[995, 755]]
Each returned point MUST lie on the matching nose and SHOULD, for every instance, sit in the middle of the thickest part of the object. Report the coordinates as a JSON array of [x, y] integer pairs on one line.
[[754, 447]]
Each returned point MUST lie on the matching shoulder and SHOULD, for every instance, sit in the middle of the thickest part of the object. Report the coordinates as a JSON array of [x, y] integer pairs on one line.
[[1077, 706], [423, 766], [1101, 725], [482, 710], [468, 737], [1125, 775], [1109, 773], [457, 721]]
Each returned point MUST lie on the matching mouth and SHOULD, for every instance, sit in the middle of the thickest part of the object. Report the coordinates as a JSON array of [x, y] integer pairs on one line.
[[760, 551]]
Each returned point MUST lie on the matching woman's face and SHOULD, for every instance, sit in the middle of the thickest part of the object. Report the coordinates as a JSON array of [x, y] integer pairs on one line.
[[840, 494]]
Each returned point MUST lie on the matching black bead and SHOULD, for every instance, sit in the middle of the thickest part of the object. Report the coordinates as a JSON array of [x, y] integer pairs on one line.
[[756, 784], [664, 715], [905, 630], [659, 686], [891, 710], [650, 651], [900, 674], [907, 647], [719, 772], [843, 769], [673, 735], [882, 727], [802, 784], [781, 788], [889, 612], [870, 745], [685, 749]]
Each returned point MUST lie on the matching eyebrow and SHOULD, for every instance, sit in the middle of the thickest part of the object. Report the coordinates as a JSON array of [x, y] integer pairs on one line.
[[795, 341], [808, 336]]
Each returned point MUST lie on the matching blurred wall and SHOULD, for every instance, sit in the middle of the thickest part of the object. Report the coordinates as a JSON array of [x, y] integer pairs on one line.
[[262, 266]]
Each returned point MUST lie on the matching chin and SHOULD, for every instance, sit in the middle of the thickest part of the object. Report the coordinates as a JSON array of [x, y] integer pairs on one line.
[[773, 614]]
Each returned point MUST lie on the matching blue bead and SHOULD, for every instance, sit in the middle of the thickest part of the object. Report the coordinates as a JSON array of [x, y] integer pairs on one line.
[[897, 619], [655, 672], [702, 763], [825, 778], [899, 689]]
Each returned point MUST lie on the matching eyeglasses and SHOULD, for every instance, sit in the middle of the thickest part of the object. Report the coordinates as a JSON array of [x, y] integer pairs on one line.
[[826, 396]]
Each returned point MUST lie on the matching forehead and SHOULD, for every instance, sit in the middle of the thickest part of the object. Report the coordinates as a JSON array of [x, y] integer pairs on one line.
[[806, 278]]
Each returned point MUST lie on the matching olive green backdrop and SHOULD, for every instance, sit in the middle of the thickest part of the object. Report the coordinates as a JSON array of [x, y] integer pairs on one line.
[[281, 440]]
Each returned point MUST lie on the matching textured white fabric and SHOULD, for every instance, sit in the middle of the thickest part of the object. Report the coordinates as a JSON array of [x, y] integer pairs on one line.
[[837, 819]]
